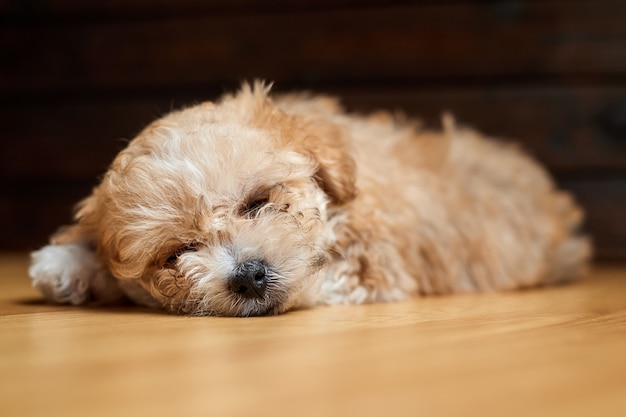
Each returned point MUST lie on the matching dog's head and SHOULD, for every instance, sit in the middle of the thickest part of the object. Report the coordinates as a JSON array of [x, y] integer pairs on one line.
[[223, 208]]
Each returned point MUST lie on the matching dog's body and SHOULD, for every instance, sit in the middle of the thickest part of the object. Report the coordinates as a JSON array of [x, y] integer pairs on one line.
[[255, 205]]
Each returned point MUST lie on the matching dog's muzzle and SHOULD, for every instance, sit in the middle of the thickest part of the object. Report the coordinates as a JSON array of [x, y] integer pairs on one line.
[[249, 280]]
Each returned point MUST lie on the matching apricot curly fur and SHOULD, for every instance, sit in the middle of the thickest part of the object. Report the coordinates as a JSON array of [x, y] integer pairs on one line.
[[339, 208]]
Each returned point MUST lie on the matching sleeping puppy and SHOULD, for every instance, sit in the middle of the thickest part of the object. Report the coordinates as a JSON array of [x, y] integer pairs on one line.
[[256, 205]]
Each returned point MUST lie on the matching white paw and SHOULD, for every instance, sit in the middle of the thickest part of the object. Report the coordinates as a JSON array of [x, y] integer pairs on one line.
[[63, 272]]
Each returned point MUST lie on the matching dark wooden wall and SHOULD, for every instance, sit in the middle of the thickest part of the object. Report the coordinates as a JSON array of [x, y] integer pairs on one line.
[[78, 78]]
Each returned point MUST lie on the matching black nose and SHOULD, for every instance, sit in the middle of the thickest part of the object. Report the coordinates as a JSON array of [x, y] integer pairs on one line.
[[249, 279]]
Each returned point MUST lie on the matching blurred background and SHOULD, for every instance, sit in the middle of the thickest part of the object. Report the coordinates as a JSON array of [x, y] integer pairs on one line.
[[78, 79]]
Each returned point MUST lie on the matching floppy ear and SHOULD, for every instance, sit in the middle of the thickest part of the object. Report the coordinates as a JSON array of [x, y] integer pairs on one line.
[[336, 171], [306, 124]]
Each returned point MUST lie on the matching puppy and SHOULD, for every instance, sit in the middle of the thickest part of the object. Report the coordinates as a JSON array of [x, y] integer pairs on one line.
[[256, 205]]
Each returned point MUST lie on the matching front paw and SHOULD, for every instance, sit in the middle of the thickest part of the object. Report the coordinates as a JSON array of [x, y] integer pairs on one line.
[[63, 272]]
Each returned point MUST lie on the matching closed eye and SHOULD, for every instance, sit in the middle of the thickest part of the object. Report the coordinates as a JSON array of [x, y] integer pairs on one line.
[[171, 261], [252, 207]]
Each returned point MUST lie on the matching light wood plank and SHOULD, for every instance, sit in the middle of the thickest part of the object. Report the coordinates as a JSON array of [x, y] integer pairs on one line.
[[554, 351]]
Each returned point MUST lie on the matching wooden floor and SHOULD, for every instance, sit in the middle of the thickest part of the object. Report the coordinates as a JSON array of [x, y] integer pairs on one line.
[[550, 352]]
